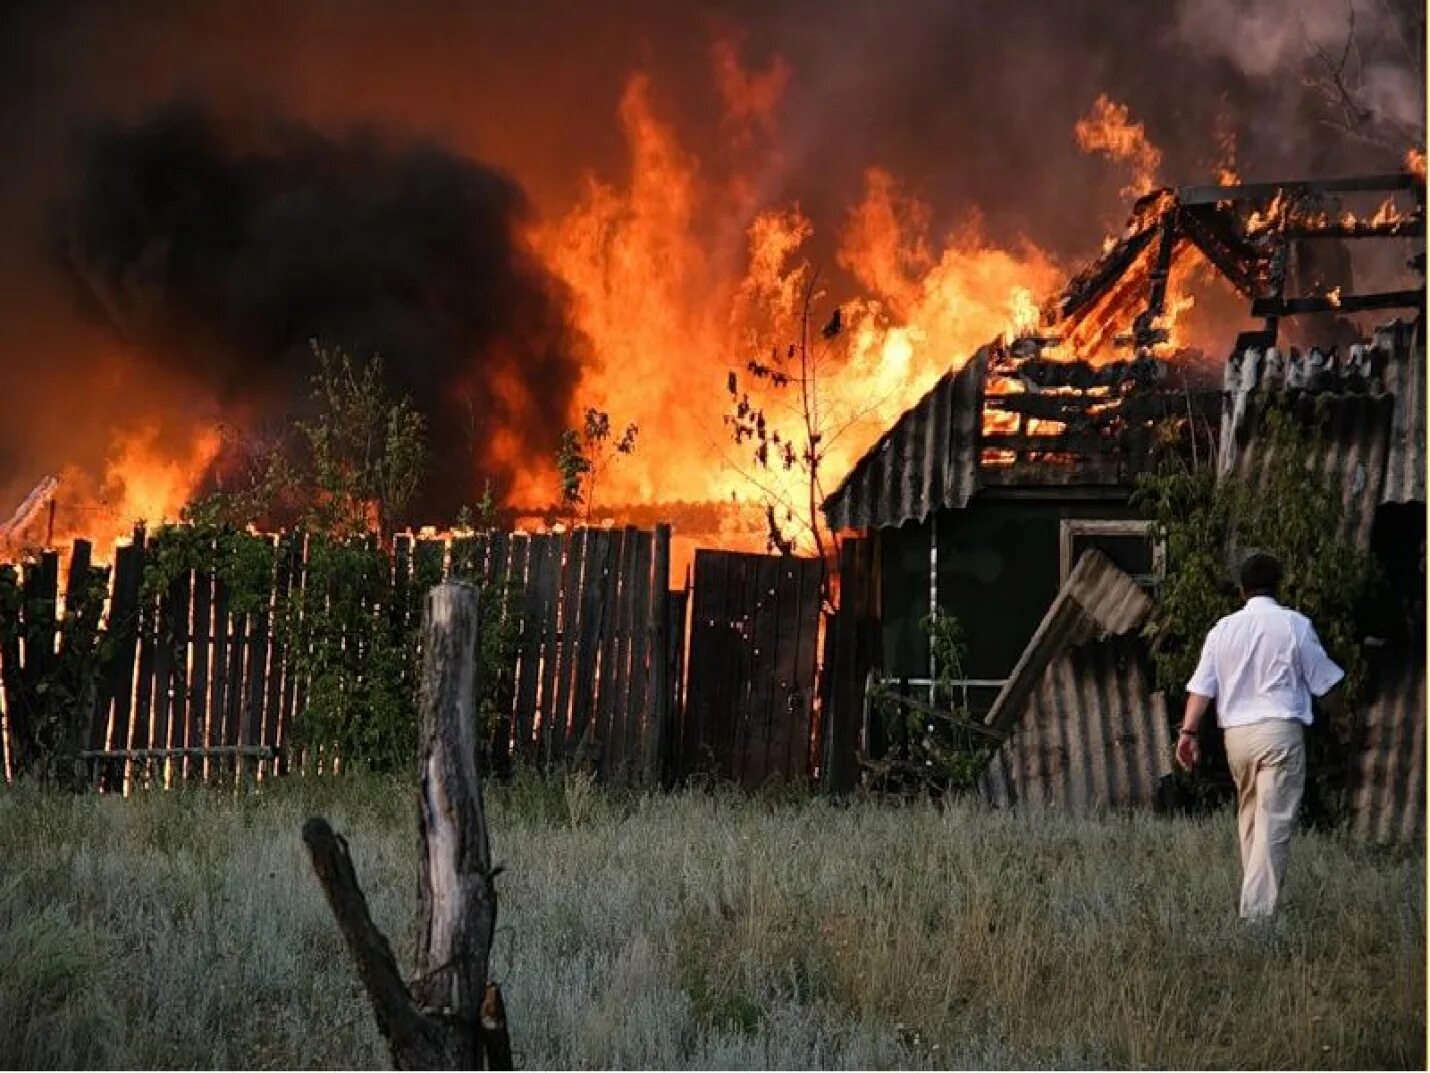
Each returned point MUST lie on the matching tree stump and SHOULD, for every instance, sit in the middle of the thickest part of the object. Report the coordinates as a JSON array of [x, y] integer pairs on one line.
[[451, 1017]]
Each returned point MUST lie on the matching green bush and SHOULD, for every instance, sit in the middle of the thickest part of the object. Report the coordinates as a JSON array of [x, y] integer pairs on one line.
[[1295, 514]]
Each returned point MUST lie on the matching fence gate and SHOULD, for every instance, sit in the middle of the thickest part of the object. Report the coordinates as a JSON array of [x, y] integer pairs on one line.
[[750, 695]]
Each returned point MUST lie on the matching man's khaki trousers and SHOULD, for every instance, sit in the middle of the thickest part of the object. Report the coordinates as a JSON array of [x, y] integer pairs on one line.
[[1268, 762]]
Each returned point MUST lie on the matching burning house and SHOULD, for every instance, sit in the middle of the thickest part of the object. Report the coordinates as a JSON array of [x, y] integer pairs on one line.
[[1002, 496]]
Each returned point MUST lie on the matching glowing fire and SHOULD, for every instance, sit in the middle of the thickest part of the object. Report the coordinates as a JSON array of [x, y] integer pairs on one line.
[[142, 481], [673, 309], [1110, 129], [680, 275], [1415, 163]]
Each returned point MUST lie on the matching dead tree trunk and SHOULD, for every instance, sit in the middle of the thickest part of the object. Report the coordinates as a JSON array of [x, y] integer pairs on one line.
[[451, 1018]]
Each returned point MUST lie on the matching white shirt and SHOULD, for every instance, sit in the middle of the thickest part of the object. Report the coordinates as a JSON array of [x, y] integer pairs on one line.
[[1263, 662]]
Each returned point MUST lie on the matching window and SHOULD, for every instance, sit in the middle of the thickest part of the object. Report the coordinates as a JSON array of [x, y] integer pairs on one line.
[[1128, 543]]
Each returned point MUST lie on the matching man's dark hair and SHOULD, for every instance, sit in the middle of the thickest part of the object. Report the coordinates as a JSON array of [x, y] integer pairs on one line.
[[1260, 574]]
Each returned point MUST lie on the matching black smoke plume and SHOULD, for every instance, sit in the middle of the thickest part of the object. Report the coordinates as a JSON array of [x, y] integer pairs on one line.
[[221, 248]]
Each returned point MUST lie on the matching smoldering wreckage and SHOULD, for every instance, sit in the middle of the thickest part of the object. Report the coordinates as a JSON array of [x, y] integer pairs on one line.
[[1007, 484]]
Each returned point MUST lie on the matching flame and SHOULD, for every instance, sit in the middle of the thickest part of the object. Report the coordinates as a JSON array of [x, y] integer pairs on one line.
[[143, 480], [1415, 162], [1109, 128], [673, 308], [681, 272]]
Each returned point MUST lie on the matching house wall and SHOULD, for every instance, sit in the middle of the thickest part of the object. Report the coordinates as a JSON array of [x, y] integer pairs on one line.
[[997, 573]]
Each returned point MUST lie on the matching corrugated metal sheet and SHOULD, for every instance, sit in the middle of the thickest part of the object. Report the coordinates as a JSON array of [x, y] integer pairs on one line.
[[1097, 600], [1372, 442], [1092, 735], [928, 459], [1405, 465], [1388, 803], [1085, 731]]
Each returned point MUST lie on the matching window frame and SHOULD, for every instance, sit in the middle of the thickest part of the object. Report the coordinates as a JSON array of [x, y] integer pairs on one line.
[[1069, 529]]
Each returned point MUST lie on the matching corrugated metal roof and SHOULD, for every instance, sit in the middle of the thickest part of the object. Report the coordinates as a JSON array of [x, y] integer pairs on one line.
[[926, 460], [1092, 735], [1388, 803], [1372, 424], [1097, 600]]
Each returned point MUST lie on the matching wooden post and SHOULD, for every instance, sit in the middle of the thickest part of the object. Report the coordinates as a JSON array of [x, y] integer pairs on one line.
[[452, 1018]]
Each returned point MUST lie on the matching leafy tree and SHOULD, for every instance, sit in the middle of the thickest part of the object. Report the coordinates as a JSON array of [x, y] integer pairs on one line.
[[585, 455], [367, 451], [797, 366]]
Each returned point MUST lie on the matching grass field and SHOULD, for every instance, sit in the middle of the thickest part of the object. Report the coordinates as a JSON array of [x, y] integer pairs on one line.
[[185, 929]]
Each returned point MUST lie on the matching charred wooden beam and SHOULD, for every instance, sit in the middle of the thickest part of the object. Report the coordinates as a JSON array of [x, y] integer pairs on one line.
[[1346, 303], [1224, 247], [1204, 195], [1089, 285], [1410, 227]]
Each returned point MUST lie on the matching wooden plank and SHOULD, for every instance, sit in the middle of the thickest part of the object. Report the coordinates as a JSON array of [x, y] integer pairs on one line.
[[39, 595], [1204, 195], [638, 673], [512, 589], [218, 659], [404, 599], [292, 656], [609, 678], [569, 643], [1346, 303], [844, 705], [197, 732], [652, 680], [255, 678], [802, 731], [583, 689], [556, 546], [763, 645], [535, 598], [284, 556], [741, 664], [677, 619], [183, 589], [124, 631], [10, 668], [150, 717], [238, 646], [698, 694]]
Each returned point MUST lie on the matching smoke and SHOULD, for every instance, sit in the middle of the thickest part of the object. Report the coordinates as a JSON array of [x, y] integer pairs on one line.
[[1363, 61], [221, 248], [164, 262]]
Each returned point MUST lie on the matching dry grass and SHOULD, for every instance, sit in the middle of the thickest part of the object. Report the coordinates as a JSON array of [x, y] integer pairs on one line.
[[185, 929]]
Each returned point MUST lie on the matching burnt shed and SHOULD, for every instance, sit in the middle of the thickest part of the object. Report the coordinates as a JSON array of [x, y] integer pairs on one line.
[[983, 496]]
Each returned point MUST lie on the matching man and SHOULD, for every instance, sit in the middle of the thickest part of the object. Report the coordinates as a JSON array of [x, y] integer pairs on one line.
[[1262, 665]]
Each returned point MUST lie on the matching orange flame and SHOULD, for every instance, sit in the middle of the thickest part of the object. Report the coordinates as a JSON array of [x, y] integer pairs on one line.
[[1110, 129]]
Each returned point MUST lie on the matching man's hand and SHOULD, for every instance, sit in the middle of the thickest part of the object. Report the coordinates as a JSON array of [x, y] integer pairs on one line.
[[1189, 751]]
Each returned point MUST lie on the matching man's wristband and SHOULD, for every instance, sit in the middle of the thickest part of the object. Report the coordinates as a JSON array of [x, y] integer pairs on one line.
[[1185, 733]]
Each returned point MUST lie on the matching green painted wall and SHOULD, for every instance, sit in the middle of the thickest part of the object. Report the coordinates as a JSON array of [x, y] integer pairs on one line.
[[997, 572]]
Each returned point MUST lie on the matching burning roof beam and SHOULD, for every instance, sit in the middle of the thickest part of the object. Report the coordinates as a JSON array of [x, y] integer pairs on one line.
[[1210, 195], [1349, 303]]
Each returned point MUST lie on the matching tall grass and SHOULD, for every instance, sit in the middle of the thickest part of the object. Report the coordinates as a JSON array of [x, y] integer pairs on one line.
[[185, 929]]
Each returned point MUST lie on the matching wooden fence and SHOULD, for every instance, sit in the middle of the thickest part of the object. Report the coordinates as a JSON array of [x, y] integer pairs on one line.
[[753, 661], [190, 686]]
